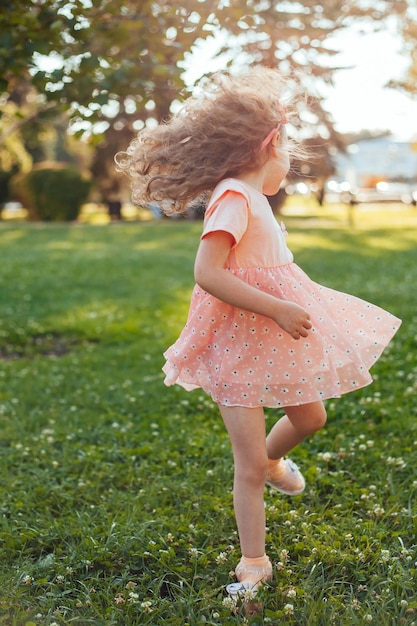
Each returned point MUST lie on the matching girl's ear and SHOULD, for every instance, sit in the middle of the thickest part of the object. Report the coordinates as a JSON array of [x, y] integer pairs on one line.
[[280, 138], [276, 140]]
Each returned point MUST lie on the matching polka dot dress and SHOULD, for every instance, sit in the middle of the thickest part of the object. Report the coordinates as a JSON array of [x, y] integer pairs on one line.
[[243, 359]]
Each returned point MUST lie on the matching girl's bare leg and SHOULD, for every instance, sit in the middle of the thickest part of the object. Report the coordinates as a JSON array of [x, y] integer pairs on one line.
[[246, 429], [298, 423]]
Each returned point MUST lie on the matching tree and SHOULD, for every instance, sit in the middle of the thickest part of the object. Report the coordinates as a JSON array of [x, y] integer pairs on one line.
[[113, 65], [101, 53], [294, 37], [409, 82], [110, 64], [133, 69]]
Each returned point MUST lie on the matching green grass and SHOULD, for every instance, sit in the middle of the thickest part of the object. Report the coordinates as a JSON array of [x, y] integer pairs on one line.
[[116, 504]]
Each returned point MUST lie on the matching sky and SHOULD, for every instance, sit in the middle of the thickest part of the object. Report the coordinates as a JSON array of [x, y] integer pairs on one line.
[[359, 99]]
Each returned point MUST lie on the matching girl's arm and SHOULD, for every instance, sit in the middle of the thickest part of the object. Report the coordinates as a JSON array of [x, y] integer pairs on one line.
[[211, 275]]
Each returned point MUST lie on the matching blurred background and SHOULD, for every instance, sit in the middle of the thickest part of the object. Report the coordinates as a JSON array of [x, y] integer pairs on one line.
[[79, 78]]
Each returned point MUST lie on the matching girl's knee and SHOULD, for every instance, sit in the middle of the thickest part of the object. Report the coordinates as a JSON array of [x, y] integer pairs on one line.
[[252, 471], [318, 419], [308, 419]]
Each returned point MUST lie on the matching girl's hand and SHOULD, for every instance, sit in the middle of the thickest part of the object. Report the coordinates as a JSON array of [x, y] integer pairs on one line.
[[293, 319]]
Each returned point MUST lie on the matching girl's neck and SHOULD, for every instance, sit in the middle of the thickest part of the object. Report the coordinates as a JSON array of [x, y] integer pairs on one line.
[[254, 178]]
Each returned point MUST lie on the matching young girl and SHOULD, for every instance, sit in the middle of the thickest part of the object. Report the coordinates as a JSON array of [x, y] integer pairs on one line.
[[259, 333]]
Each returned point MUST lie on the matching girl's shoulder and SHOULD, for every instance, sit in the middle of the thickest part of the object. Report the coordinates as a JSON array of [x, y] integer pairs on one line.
[[230, 197]]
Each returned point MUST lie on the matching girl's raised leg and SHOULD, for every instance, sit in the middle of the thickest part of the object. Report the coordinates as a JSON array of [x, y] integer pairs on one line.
[[288, 432], [298, 423]]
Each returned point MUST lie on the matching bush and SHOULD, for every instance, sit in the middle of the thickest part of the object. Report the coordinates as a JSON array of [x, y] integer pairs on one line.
[[51, 192]]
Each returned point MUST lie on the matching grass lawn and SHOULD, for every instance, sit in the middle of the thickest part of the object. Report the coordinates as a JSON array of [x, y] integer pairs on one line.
[[116, 504]]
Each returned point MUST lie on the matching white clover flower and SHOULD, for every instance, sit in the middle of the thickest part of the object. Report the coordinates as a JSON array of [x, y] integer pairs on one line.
[[131, 584], [325, 456], [284, 556], [146, 606], [385, 556], [291, 593], [119, 599], [368, 618], [27, 580], [379, 511], [403, 603], [289, 609], [248, 594], [221, 558], [193, 552], [229, 602]]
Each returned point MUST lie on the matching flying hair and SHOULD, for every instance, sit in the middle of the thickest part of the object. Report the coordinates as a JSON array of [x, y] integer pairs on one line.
[[219, 132]]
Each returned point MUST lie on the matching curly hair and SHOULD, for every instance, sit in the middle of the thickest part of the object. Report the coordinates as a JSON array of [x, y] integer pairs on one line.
[[217, 134]]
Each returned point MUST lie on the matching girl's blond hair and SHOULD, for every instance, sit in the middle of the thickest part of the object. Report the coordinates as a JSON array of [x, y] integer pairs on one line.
[[217, 134]]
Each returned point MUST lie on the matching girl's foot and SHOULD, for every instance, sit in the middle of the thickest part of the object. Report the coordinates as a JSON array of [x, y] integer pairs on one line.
[[250, 573], [285, 476]]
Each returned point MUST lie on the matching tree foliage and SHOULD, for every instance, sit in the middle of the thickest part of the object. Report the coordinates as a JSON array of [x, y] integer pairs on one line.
[[111, 65], [88, 55], [409, 26], [121, 57], [294, 36]]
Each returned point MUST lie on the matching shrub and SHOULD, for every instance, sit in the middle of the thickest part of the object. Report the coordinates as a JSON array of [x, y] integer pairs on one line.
[[51, 192]]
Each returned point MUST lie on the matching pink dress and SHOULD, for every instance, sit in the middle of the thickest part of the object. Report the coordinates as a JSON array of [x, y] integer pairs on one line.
[[243, 359]]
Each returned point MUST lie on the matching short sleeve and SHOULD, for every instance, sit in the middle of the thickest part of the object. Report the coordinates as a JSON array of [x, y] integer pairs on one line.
[[229, 213]]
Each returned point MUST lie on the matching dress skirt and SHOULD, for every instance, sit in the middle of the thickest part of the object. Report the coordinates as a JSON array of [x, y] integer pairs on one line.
[[243, 359]]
